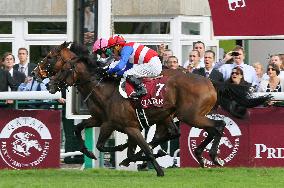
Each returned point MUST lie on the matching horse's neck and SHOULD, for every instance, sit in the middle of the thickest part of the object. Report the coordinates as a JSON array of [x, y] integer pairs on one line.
[[86, 87], [67, 56], [93, 90]]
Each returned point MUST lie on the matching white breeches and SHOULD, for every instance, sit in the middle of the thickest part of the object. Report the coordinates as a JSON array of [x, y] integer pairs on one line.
[[151, 69]]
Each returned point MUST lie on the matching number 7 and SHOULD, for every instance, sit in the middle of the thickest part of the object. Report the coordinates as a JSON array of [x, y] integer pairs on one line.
[[159, 89]]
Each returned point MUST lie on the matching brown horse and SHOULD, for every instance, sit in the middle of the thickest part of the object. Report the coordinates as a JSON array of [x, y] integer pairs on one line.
[[188, 97]]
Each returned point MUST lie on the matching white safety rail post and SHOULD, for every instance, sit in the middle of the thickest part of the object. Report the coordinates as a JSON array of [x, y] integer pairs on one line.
[[29, 95]]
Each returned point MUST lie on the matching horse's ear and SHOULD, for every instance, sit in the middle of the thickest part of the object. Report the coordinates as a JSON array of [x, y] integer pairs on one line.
[[65, 44]]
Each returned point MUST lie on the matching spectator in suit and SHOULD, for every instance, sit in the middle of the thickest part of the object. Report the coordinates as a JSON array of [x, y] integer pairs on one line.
[[193, 61], [23, 65], [208, 71], [248, 71], [9, 62], [200, 47], [7, 81], [172, 63]]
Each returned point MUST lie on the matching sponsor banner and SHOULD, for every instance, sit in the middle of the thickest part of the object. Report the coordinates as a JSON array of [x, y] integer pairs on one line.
[[29, 139], [266, 137], [253, 141], [233, 142], [247, 17]]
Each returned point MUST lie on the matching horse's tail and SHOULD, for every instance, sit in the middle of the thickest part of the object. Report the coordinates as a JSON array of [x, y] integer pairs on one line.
[[236, 98]]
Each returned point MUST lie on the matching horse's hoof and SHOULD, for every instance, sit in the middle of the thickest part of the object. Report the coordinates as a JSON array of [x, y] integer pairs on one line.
[[125, 163], [160, 174], [142, 167], [202, 163], [122, 147], [218, 161], [161, 153], [89, 154], [200, 159]]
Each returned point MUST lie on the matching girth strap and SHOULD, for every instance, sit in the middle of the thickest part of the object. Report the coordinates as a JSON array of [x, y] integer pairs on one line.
[[140, 113]]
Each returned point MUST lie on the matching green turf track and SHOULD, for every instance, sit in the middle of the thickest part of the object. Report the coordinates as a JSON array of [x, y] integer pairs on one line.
[[175, 178]]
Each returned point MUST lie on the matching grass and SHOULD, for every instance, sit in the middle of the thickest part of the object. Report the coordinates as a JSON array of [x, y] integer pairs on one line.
[[175, 178]]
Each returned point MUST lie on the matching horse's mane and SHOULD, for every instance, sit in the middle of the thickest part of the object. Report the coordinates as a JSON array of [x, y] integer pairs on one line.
[[94, 67], [82, 52], [84, 55]]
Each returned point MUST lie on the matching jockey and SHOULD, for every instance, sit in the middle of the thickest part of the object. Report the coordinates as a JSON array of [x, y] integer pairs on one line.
[[135, 61], [100, 48]]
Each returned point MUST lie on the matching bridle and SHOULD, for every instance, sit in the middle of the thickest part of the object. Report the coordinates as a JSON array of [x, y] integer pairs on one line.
[[67, 67], [50, 61], [61, 76]]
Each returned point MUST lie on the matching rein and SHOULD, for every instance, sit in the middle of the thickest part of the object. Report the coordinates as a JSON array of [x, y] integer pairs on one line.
[[88, 96], [76, 83]]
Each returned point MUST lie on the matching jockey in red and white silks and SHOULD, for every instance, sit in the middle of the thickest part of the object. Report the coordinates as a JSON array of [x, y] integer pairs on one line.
[[137, 60]]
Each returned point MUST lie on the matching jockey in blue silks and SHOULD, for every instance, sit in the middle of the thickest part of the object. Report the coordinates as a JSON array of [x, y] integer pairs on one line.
[[135, 61]]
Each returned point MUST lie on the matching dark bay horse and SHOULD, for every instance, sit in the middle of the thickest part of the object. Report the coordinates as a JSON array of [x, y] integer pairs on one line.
[[188, 97]]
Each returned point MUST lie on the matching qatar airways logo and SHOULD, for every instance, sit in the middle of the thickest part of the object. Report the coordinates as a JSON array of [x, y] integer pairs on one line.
[[237, 3], [262, 151], [24, 143], [229, 143]]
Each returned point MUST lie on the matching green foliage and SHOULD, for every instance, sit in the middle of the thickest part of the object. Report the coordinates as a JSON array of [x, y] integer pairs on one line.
[[227, 45], [174, 178]]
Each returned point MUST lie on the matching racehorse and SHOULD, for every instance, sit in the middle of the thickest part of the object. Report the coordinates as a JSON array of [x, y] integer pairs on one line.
[[188, 97]]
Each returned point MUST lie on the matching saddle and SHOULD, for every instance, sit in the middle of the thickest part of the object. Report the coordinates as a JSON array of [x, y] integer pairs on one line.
[[155, 91], [154, 97]]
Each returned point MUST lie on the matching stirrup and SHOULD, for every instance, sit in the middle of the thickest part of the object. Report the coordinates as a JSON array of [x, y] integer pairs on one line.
[[139, 94]]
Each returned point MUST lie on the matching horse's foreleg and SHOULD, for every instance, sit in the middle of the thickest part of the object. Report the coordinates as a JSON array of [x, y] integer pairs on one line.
[[165, 131], [91, 122], [130, 153], [215, 127], [105, 133], [120, 147], [138, 157], [200, 148], [136, 136], [219, 128]]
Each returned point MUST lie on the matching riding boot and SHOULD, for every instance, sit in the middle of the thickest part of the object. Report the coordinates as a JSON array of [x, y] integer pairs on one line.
[[140, 89]]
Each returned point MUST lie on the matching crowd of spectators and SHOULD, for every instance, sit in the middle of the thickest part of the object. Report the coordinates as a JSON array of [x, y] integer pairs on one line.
[[261, 78], [231, 68], [18, 77]]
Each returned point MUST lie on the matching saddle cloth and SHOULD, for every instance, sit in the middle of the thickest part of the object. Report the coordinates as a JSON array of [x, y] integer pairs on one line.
[[155, 91]]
